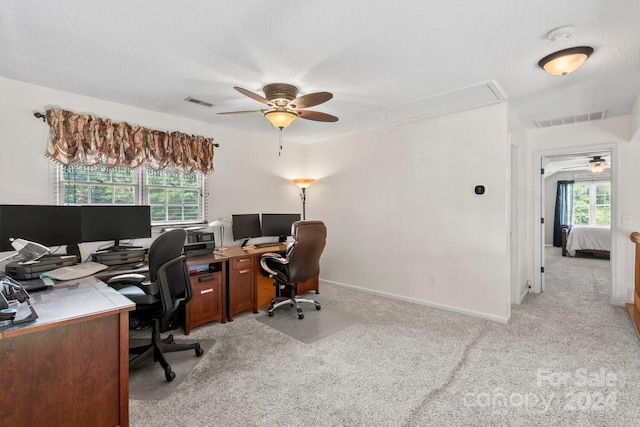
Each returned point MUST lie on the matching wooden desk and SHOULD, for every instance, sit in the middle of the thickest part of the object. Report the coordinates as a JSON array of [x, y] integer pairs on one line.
[[71, 366], [247, 287], [208, 276]]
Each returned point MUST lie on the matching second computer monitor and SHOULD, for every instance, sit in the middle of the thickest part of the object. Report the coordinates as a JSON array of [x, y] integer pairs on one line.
[[105, 223], [246, 226], [278, 225]]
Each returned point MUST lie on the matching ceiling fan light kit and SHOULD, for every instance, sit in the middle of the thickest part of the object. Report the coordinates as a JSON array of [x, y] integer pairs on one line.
[[596, 165], [280, 118], [565, 61]]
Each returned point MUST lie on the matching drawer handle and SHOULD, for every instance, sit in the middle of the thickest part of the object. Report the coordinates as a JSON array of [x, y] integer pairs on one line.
[[206, 278], [244, 271], [206, 291], [244, 260]]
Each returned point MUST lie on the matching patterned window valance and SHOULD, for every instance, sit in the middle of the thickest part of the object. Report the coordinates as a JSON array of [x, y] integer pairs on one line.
[[91, 140]]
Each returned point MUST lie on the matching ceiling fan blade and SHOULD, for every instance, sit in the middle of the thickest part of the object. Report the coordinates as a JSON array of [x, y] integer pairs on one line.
[[253, 95], [243, 112], [311, 99], [317, 116]]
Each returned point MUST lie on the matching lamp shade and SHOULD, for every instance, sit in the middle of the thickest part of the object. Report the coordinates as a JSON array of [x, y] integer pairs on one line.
[[303, 182], [565, 61], [280, 118], [220, 222]]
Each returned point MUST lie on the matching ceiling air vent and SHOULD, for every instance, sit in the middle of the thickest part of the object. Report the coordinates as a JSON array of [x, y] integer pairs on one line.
[[584, 117], [197, 101]]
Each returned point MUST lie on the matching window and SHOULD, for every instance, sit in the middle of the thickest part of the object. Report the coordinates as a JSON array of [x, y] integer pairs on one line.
[[592, 203], [175, 198]]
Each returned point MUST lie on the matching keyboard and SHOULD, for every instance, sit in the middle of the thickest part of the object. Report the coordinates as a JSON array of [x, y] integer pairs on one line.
[[266, 245]]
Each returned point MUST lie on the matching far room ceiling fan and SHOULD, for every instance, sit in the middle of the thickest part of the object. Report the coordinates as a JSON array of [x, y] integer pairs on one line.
[[285, 106], [596, 164]]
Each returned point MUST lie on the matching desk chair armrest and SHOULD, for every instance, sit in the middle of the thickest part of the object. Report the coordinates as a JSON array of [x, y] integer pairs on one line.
[[127, 279], [274, 272], [133, 279], [275, 257]]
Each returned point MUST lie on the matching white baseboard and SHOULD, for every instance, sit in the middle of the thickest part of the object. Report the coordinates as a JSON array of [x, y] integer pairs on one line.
[[423, 302]]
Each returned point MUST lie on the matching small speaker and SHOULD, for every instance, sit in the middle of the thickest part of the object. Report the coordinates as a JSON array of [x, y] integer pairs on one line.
[[479, 189]]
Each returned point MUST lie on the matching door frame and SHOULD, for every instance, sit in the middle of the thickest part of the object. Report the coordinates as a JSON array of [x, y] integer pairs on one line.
[[539, 205]]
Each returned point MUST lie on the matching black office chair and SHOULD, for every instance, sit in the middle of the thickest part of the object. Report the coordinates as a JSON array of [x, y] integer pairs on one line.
[[301, 263], [157, 299]]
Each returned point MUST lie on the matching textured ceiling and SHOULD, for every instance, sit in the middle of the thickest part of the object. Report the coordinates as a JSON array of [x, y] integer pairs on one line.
[[382, 60]]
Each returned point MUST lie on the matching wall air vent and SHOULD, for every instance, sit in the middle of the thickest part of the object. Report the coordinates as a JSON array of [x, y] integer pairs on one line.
[[197, 101], [584, 117]]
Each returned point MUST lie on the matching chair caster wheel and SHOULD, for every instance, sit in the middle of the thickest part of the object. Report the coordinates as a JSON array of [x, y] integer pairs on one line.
[[318, 307], [169, 375], [271, 314], [169, 340], [300, 316], [199, 351]]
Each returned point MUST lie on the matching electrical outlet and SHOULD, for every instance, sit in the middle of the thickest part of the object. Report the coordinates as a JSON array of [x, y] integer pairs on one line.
[[433, 280]]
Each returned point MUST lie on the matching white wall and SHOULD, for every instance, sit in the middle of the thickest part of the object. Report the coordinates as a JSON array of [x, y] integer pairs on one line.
[[399, 210], [249, 175], [614, 131]]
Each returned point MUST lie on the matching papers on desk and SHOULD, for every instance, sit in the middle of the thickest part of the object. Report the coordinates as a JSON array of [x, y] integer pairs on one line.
[[74, 271]]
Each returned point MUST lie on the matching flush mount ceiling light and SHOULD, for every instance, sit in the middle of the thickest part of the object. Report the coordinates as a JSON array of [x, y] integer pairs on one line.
[[565, 61], [596, 165]]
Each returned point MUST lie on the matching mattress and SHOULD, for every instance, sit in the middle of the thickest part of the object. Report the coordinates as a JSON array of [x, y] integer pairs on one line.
[[585, 237]]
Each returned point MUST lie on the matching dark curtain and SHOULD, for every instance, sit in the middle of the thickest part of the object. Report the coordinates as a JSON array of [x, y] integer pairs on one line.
[[564, 208]]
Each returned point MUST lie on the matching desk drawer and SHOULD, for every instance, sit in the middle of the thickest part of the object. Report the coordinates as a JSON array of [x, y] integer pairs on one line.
[[240, 263]]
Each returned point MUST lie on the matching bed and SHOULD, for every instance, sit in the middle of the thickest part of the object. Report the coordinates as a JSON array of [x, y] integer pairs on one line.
[[586, 239]]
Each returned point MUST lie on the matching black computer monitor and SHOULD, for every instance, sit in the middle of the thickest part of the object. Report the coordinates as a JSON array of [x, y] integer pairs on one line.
[[278, 224], [48, 225], [246, 226], [105, 223]]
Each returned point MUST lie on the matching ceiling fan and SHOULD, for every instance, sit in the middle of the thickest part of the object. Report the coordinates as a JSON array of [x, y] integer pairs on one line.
[[596, 164], [286, 106]]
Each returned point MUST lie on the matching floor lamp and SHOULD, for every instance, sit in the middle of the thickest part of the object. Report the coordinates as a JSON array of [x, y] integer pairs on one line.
[[220, 223], [303, 184]]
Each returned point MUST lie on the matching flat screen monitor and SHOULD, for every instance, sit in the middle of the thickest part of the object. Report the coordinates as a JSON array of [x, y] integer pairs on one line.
[[278, 224], [48, 225], [106, 223], [246, 226]]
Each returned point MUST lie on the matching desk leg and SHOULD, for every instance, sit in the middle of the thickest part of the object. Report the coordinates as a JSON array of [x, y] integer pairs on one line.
[[124, 369]]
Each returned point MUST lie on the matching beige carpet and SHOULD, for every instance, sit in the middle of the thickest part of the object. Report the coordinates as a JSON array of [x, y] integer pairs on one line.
[[404, 364]]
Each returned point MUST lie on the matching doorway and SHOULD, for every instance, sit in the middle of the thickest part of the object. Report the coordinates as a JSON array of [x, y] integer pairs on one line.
[[571, 164]]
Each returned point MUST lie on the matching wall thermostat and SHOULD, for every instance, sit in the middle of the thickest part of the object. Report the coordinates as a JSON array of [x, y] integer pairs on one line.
[[479, 189]]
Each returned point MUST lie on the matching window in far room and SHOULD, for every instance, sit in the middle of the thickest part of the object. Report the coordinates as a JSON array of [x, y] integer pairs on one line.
[[592, 203], [174, 197]]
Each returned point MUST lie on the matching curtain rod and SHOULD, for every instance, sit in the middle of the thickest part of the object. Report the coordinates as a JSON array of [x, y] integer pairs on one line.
[[39, 115]]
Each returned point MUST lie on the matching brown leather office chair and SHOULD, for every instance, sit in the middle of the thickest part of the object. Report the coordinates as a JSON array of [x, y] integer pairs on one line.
[[157, 299], [301, 263]]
